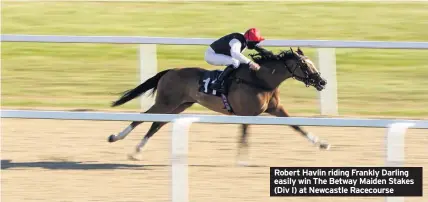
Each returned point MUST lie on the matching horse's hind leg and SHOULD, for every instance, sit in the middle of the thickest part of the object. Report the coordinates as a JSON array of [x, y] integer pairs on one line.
[[158, 125], [155, 128], [156, 108], [125, 132]]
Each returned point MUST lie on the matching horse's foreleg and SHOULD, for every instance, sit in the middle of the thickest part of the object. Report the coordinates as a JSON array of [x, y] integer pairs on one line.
[[280, 112], [244, 141], [243, 144]]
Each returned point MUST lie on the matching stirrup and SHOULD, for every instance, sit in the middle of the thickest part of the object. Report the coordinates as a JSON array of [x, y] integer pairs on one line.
[[218, 86], [221, 90]]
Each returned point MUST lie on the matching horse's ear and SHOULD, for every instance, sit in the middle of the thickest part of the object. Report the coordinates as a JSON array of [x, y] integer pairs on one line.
[[299, 51], [291, 49]]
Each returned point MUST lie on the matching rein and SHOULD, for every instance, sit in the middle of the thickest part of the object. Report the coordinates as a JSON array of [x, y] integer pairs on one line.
[[261, 84]]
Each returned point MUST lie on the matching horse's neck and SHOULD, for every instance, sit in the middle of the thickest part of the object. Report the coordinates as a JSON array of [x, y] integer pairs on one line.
[[272, 73], [263, 77]]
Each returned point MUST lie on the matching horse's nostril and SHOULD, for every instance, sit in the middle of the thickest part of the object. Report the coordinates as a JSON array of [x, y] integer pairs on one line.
[[322, 82]]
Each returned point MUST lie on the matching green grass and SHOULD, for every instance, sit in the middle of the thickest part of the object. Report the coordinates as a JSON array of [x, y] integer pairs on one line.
[[370, 81]]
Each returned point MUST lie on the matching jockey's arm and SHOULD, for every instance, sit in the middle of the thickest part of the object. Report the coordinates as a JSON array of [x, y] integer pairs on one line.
[[235, 51]]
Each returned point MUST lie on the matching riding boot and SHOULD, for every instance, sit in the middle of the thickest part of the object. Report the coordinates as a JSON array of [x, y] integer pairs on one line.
[[218, 84]]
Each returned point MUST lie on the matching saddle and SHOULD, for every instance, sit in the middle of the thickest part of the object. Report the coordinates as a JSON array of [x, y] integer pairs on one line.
[[208, 78]]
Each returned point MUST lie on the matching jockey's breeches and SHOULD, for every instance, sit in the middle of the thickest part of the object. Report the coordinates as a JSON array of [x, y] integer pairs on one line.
[[219, 59]]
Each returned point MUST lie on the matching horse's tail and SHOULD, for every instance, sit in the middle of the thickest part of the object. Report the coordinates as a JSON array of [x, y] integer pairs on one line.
[[151, 83]]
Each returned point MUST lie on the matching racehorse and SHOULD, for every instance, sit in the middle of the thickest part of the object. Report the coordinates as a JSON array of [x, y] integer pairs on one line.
[[250, 93]]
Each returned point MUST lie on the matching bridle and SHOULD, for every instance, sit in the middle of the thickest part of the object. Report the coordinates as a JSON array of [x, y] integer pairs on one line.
[[308, 79]]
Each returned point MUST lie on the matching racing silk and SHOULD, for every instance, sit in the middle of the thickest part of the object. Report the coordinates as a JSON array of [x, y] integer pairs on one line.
[[232, 45]]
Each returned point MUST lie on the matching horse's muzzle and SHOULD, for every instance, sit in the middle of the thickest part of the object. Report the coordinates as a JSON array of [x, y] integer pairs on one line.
[[320, 85], [317, 81]]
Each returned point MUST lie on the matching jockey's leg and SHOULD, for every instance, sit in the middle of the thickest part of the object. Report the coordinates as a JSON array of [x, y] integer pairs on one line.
[[215, 59], [217, 84], [221, 60]]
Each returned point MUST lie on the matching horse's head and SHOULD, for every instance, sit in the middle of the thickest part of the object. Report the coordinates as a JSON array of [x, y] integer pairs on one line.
[[293, 64], [303, 69]]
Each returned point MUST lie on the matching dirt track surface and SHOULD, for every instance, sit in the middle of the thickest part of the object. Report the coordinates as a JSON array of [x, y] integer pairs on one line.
[[54, 160]]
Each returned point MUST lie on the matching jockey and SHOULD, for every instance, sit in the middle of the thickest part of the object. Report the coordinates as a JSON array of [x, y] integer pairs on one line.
[[227, 51]]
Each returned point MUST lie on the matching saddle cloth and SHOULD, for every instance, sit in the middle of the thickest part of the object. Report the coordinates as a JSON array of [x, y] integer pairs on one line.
[[205, 82]]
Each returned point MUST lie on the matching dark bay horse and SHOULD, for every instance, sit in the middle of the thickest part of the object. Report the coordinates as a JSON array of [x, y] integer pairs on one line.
[[250, 93]]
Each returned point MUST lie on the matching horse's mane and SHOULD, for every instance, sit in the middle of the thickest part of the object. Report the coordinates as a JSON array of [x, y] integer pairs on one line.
[[281, 56]]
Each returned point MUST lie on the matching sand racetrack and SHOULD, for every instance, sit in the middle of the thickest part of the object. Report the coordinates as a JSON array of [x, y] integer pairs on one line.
[[61, 160]]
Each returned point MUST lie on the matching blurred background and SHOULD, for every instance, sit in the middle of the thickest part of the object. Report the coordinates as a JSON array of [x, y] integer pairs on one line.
[[372, 82]]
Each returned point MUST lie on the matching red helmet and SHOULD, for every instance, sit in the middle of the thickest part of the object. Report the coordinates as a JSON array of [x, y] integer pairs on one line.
[[253, 34]]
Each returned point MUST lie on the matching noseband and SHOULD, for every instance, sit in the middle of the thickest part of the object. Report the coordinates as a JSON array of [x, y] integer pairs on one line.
[[308, 77]]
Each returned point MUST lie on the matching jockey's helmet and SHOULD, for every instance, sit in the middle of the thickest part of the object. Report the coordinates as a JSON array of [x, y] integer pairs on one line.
[[253, 34]]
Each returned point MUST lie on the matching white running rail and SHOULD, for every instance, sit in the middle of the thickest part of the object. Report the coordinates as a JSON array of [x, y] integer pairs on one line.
[[181, 124]]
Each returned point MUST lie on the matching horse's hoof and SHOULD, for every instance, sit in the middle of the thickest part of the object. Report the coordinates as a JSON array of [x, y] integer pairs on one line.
[[325, 146], [111, 138]]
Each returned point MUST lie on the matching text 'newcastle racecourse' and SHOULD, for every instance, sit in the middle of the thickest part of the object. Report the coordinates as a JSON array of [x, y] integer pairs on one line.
[[346, 181]]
